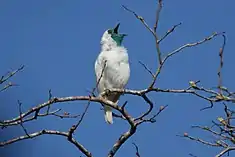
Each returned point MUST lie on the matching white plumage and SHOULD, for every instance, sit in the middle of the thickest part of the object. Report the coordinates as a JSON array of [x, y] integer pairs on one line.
[[113, 61]]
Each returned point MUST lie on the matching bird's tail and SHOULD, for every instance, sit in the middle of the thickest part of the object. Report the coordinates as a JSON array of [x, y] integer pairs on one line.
[[108, 114]]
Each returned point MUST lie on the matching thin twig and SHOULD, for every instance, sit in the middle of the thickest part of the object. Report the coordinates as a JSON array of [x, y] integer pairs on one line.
[[146, 68], [137, 150], [200, 140], [157, 15], [155, 31], [101, 75], [8, 85], [191, 45], [149, 109], [50, 132], [49, 98], [5, 78], [150, 30], [221, 51], [169, 32], [192, 155], [152, 119], [179, 50], [140, 18], [21, 120], [52, 113], [74, 127]]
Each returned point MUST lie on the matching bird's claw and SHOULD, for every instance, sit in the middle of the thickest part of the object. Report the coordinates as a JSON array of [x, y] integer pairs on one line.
[[107, 92]]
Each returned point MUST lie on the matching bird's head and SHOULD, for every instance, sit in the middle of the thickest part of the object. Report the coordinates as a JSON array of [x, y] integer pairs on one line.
[[111, 37]]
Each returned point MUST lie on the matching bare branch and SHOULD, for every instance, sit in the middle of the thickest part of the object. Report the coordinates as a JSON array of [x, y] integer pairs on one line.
[[21, 121], [224, 132], [211, 131], [8, 85], [10, 74], [123, 138], [57, 100], [119, 116], [64, 115], [137, 150], [152, 119], [101, 75], [155, 31], [139, 18], [74, 127], [157, 15], [169, 32], [124, 105], [179, 50], [49, 98], [149, 110], [50, 132], [191, 45], [192, 155], [221, 51], [200, 140], [226, 150], [52, 113], [146, 68]]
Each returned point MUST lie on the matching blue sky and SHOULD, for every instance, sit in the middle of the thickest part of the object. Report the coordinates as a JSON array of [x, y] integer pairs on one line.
[[58, 42]]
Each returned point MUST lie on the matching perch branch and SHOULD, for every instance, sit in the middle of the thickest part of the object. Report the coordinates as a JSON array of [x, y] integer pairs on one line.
[[50, 132]]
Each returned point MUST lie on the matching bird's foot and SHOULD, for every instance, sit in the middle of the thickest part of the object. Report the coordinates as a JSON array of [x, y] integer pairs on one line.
[[107, 92]]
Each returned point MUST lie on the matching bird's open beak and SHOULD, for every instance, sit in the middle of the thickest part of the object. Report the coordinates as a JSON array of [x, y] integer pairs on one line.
[[115, 30]]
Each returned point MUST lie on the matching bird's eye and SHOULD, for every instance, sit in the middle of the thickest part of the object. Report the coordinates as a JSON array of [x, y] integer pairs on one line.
[[109, 31]]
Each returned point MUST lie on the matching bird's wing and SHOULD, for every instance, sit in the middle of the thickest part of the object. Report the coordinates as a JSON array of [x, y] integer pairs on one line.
[[116, 74], [100, 65]]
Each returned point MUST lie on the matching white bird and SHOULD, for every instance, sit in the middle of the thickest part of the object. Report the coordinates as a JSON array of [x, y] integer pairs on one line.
[[112, 67]]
